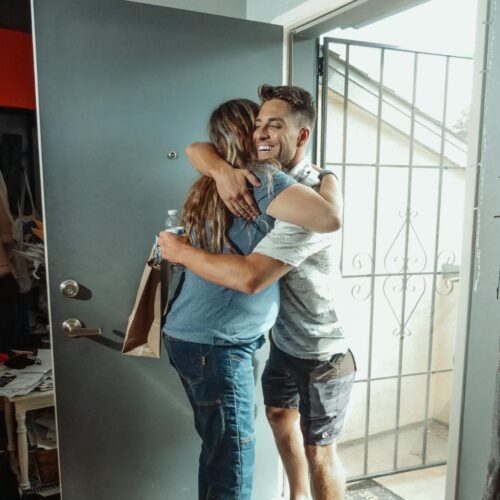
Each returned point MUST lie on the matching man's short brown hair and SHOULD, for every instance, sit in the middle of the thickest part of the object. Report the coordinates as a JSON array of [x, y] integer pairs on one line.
[[299, 99]]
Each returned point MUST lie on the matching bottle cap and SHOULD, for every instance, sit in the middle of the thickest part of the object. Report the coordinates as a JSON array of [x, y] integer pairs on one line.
[[172, 212]]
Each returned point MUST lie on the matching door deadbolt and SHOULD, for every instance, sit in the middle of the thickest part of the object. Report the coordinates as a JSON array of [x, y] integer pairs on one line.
[[69, 288], [172, 155]]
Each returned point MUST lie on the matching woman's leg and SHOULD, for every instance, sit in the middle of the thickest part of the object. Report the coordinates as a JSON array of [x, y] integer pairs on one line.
[[237, 384], [220, 385]]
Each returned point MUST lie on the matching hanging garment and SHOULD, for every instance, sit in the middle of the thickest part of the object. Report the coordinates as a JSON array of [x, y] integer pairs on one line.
[[6, 232], [11, 154], [21, 264], [14, 326]]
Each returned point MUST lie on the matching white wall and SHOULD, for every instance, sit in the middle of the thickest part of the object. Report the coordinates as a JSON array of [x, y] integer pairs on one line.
[[231, 8]]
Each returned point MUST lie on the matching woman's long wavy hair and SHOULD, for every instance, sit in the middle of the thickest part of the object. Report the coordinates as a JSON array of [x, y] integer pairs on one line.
[[205, 218]]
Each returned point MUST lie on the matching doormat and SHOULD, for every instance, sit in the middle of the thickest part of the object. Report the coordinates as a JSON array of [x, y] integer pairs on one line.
[[368, 489]]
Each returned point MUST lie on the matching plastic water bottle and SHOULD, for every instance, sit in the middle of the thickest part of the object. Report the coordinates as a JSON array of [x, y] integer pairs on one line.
[[172, 220], [173, 225]]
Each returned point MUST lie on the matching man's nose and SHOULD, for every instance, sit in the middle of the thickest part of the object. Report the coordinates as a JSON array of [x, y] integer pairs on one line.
[[262, 133]]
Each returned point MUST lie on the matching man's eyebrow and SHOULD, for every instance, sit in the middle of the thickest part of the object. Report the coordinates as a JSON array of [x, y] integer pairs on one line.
[[272, 119]]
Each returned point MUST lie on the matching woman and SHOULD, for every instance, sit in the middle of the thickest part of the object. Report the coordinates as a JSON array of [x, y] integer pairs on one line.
[[211, 332]]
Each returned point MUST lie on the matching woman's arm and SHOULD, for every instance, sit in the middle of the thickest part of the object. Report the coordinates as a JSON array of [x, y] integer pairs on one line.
[[302, 206], [245, 273]]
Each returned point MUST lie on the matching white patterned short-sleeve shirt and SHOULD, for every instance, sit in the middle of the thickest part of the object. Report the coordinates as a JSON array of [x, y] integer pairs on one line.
[[308, 324]]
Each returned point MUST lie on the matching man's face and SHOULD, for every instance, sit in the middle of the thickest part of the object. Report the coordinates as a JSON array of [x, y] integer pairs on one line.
[[276, 133]]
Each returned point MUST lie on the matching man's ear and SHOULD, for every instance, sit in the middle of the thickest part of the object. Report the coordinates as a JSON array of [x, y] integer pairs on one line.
[[303, 137]]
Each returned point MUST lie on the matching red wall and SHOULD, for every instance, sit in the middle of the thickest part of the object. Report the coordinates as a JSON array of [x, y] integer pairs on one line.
[[17, 76]]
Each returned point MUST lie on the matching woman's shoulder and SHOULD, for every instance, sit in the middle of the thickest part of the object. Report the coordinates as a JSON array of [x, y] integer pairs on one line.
[[272, 181], [269, 173]]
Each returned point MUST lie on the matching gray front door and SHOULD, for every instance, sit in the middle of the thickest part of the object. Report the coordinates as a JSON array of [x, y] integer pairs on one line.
[[121, 85]]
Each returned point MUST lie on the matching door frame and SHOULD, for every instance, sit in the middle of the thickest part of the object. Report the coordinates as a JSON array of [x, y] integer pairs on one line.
[[315, 16]]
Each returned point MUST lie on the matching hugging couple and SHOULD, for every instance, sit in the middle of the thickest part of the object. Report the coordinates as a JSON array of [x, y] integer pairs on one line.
[[257, 253]]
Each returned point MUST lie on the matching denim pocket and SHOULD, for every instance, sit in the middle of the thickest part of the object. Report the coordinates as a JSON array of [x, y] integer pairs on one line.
[[328, 370], [189, 359]]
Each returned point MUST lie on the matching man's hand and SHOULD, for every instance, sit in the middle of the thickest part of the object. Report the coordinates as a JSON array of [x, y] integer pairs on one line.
[[173, 246], [232, 186]]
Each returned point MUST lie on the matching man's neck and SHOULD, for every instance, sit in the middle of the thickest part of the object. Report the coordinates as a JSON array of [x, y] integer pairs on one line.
[[293, 163]]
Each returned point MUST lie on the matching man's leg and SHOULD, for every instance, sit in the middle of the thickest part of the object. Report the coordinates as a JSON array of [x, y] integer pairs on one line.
[[326, 472], [325, 387], [285, 424], [281, 398]]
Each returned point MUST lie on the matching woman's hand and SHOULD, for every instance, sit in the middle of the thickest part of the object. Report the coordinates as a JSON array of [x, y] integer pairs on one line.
[[173, 246]]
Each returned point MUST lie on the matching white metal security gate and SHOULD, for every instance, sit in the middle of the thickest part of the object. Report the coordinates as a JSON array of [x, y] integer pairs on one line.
[[394, 126]]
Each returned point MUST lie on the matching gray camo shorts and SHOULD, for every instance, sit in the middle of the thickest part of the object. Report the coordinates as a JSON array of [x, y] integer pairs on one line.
[[319, 389]]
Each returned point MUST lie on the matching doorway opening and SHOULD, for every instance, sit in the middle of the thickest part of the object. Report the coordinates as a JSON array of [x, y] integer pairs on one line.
[[394, 113], [395, 128]]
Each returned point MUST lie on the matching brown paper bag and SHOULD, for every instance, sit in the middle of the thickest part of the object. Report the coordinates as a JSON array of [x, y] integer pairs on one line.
[[143, 337]]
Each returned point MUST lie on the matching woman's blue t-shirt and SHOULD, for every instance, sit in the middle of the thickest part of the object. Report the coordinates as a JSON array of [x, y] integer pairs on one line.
[[211, 314]]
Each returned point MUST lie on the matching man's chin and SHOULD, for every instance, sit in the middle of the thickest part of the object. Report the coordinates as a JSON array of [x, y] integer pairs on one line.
[[266, 156]]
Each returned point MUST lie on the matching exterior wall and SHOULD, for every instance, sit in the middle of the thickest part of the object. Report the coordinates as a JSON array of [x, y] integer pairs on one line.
[[230, 8], [358, 210]]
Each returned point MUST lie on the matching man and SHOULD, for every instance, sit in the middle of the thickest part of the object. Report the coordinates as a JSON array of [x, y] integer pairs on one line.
[[310, 371]]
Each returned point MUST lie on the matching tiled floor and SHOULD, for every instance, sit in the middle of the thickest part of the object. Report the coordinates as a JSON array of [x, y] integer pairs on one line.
[[425, 484], [381, 450]]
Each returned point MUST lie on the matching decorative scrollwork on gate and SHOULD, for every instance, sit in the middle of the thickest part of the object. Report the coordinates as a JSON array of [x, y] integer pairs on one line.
[[444, 286], [446, 257], [413, 262], [362, 261], [413, 288], [361, 292]]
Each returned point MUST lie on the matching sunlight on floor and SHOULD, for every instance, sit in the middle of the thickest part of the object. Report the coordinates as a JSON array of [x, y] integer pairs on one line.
[[424, 484]]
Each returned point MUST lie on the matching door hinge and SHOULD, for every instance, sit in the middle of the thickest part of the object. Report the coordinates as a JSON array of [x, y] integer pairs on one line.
[[321, 65]]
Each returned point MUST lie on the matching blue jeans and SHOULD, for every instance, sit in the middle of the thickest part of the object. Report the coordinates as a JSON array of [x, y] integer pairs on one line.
[[219, 382]]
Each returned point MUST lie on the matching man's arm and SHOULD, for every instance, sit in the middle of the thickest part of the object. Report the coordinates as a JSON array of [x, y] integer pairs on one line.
[[232, 183], [304, 207], [245, 273], [331, 192]]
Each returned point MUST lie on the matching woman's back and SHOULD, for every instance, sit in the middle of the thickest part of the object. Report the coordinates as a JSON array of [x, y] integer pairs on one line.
[[208, 313]]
